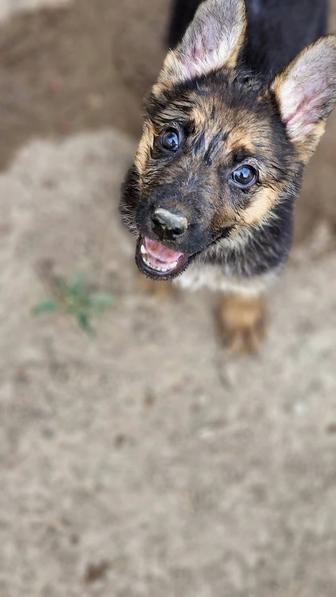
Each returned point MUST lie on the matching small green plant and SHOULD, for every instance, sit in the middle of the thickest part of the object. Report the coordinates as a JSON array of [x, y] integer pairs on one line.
[[75, 299]]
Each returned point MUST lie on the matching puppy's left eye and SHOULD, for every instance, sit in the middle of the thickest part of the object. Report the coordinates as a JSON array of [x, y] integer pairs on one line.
[[170, 139], [245, 176]]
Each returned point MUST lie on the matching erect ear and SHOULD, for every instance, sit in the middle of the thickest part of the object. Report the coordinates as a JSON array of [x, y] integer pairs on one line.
[[306, 93], [213, 40]]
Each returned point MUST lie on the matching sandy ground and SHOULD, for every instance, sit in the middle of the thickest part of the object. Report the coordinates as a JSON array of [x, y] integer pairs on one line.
[[10, 7], [142, 462]]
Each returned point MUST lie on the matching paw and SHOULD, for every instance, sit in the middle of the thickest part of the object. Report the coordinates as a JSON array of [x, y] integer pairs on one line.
[[156, 288], [242, 323]]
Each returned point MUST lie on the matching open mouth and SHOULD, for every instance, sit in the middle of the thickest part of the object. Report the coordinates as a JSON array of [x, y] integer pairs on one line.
[[157, 261]]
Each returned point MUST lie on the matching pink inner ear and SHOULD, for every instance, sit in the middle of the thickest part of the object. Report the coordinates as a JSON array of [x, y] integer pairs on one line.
[[198, 51], [308, 109], [307, 90], [306, 112], [202, 51]]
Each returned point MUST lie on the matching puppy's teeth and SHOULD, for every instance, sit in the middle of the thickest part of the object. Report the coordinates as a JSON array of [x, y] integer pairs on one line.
[[162, 268], [143, 250]]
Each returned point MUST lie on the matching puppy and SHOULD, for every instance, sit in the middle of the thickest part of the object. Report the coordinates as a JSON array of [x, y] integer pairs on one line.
[[237, 111]]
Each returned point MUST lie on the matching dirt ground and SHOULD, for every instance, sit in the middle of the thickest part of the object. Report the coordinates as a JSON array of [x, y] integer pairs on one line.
[[142, 462]]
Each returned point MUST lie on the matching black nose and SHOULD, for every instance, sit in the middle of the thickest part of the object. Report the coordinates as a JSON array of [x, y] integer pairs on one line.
[[168, 225]]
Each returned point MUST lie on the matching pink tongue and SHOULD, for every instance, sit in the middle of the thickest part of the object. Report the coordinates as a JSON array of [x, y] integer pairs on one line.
[[160, 252]]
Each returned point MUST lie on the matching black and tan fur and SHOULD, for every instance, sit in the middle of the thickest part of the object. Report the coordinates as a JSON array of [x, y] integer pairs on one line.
[[229, 91]]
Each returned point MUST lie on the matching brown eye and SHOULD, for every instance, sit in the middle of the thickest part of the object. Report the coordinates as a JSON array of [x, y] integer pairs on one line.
[[245, 176], [170, 140]]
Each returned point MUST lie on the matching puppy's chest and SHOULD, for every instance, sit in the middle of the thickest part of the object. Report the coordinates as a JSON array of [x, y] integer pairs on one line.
[[222, 279]]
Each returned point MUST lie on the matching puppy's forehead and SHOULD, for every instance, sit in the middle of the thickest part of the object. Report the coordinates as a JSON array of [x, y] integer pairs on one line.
[[243, 124], [239, 125]]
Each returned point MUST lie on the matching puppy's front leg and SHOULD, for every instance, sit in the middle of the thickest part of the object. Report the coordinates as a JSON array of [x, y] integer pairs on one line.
[[241, 322]]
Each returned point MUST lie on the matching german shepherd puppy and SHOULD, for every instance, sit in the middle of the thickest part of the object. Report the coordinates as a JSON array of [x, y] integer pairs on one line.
[[237, 111]]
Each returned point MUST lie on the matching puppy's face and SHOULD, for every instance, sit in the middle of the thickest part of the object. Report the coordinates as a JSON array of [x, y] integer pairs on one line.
[[219, 151]]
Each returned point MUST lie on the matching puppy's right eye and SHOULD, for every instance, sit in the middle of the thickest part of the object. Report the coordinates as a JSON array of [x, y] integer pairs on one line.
[[170, 140]]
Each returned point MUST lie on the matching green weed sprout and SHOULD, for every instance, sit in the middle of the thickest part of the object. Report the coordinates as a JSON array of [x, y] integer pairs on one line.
[[75, 299]]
